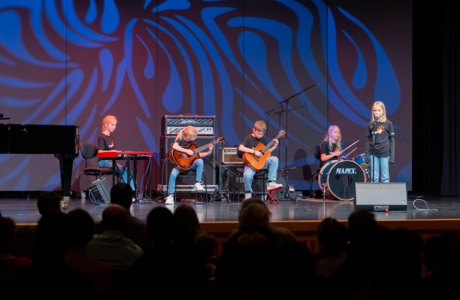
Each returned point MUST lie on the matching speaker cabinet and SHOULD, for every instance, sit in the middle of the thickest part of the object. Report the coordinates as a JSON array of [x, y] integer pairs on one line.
[[166, 143], [381, 196], [232, 182], [99, 191]]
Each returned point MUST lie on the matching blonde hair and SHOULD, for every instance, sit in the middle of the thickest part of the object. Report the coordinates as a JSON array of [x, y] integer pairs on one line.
[[380, 104], [106, 120], [338, 143], [260, 126], [189, 131]]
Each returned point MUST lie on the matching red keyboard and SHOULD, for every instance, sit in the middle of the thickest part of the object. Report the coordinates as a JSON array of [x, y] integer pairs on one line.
[[111, 154]]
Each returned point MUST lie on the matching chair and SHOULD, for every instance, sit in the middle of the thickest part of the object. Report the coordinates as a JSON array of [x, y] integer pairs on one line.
[[262, 174], [317, 154], [89, 151], [192, 174]]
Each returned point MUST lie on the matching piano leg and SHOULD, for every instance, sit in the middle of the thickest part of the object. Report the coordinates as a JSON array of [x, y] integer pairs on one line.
[[66, 166]]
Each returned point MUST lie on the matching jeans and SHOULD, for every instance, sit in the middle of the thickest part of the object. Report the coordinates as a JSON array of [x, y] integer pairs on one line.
[[381, 162], [197, 164], [271, 163], [122, 170]]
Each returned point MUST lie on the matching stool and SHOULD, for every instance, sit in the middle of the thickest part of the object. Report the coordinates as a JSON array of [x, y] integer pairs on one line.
[[192, 173], [272, 195]]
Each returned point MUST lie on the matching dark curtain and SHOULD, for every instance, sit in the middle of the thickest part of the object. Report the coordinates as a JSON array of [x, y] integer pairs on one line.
[[436, 138]]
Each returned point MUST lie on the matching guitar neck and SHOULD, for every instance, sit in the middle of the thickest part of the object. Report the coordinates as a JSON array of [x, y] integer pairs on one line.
[[269, 145], [198, 150]]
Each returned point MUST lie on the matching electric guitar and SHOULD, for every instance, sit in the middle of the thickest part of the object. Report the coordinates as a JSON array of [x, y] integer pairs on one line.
[[183, 162], [257, 163]]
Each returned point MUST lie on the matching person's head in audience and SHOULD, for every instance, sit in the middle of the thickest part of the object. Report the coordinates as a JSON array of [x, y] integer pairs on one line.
[[254, 220], [250, 201], [160, 225], [52, 235], [186, 225], [122, 194], [360, 224], [7, 235], [333, 236], [115, 217], [48, 201], [81, 228]]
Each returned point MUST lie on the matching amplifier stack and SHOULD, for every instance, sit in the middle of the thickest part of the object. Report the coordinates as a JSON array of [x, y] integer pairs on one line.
[[170, 127]]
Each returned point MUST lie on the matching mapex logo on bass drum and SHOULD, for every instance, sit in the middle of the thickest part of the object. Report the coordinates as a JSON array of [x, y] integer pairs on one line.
[[345, 171]]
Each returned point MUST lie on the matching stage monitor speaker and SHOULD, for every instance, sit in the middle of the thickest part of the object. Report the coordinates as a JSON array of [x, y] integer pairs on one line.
[[99, 191], [209, 165], [381, 196]]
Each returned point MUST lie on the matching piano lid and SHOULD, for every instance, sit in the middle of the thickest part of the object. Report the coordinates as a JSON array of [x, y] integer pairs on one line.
[[39, 139]]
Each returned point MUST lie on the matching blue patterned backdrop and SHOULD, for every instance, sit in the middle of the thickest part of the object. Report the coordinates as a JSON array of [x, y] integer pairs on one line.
[[74, 61]]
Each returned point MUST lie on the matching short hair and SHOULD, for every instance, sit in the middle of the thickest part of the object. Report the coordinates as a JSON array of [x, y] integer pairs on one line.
[[115, 217], [106, 120], [122, 194], [260, 126], [48, 201]]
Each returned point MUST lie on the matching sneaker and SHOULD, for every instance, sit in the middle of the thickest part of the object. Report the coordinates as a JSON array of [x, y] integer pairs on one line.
[[169, 200], [199, 187], [247, 196], [273, 185]]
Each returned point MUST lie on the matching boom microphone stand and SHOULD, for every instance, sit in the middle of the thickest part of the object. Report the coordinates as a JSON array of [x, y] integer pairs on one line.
[[287, 118]]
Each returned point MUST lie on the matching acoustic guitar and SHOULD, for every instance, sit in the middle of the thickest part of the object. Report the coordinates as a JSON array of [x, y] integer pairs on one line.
[[183, 162], [257, 163]]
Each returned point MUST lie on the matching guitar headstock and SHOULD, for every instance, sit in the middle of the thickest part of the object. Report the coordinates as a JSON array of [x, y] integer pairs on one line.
[[220, 140], [280, 134]]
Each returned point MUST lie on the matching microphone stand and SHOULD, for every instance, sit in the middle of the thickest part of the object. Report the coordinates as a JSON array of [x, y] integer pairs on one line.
[[287, 118], [374, 132]]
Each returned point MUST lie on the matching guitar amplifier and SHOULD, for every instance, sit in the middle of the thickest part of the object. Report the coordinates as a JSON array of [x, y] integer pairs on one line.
[[172, 124], [229, 156]]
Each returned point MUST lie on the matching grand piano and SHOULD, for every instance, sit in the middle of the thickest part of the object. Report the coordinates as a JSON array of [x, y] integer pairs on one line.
[[60, 140]]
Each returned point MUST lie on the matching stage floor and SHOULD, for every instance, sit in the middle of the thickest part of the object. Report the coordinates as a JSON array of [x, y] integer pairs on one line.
[[307, 209]]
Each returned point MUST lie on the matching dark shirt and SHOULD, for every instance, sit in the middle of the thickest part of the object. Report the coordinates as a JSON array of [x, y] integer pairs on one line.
[[250, 142], [183, 143], [384, 140], [105, 142], [326, 150]]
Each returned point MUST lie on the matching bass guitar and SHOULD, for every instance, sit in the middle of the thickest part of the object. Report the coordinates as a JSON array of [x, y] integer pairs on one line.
[[257, 163], [183, 162]]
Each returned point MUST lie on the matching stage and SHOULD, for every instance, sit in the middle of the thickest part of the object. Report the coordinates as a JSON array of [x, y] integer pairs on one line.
[[24, 210]]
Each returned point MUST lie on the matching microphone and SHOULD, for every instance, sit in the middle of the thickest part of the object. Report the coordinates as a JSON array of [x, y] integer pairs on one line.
[[377, 116], [317, 82]]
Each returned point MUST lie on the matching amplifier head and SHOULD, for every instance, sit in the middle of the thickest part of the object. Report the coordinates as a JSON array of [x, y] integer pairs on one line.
[[229, 156]]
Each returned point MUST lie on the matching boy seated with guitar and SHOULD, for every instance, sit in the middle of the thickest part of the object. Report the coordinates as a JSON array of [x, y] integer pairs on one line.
[[258, 158], [184, 145]]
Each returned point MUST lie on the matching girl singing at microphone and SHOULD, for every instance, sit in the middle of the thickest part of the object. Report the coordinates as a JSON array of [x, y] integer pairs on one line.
[[380, 143]]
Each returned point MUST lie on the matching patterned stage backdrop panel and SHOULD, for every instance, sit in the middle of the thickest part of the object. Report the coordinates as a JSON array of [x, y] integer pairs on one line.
[[73, 62]]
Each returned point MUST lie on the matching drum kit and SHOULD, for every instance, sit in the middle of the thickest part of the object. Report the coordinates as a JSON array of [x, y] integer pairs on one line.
[[337, 178]]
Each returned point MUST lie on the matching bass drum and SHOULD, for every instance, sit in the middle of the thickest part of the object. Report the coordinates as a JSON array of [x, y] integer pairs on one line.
[[338, 179]]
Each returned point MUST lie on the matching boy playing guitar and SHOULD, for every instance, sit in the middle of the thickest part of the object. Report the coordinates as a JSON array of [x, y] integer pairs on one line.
[[247, 146]]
